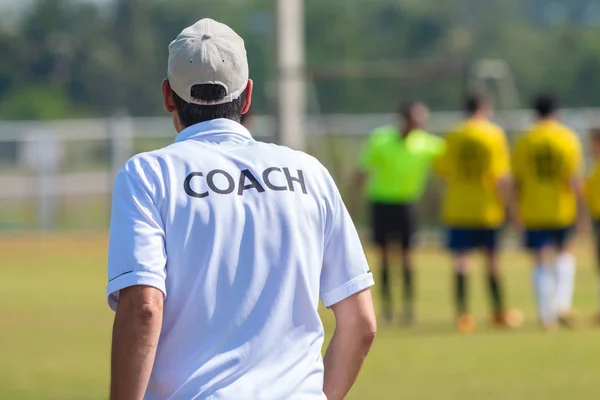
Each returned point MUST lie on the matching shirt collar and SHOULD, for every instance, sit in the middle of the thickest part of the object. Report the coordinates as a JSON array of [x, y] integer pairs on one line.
[[219, 126], [546, 122]]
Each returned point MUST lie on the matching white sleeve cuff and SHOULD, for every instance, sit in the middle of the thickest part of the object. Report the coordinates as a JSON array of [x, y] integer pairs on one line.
[[348, 289], [132, 278]]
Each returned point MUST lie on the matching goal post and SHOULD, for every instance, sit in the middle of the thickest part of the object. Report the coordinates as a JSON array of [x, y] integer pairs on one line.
[[291, 75]]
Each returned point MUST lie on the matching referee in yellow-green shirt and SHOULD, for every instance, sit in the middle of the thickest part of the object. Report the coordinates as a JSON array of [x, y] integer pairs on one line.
[[394, 164]]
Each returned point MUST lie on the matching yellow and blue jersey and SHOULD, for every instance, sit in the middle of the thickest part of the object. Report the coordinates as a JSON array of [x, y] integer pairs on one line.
[[545, 159], [476, 157]]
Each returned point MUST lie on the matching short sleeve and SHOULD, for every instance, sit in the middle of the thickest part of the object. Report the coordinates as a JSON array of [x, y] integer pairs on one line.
[[436, 147], [345, 270], [136, 253]]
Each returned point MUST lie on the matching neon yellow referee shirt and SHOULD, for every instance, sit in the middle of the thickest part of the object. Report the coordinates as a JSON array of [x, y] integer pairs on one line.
[[397, 167]]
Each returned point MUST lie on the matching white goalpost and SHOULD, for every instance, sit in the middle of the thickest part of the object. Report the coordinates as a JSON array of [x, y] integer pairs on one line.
[[290, 69]]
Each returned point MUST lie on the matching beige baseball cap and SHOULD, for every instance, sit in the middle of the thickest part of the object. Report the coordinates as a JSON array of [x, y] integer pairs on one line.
[[208, 52]]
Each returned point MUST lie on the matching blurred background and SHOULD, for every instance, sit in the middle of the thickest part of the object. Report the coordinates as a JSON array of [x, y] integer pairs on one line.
[[80, 93], [80, 80]]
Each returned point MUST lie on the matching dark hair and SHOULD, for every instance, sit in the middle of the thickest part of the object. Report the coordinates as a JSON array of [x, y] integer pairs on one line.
[[475, 101], [595, 133], [545, 105], [405, 109], [191, 114]]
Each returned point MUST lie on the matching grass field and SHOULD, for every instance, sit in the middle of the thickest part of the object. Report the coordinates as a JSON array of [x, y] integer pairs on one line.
[[56, 331]]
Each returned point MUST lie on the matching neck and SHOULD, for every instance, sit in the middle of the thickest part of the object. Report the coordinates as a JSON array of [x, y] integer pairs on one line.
[[547, 119], [478, 115], [406, 129]]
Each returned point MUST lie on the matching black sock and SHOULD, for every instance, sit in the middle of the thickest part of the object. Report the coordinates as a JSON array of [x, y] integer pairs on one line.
[[495, 293], [598, 251], [461, 292], [408, 292]]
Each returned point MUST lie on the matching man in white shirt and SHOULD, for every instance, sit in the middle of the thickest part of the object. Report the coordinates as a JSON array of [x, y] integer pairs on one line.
[[221, 247]]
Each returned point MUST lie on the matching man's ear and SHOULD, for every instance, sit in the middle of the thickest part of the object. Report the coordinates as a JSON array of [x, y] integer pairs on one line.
[[248, 91], [167, 93]]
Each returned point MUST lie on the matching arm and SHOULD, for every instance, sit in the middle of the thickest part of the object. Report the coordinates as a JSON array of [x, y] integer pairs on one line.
[[515, 192], [354, 333], [507, 192], [357, 187], [578, 187], [359, 177], [136, 331], [344, 282], [504, 180], [517, 179], [577, 183], [136, 281], [504, 184]]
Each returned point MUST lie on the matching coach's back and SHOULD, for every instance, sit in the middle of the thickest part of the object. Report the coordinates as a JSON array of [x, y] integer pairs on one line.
[[220, 248], [251, 234]]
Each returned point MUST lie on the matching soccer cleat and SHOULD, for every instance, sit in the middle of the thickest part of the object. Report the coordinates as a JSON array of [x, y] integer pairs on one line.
[[512, 319], [566, 320], [466, 323]]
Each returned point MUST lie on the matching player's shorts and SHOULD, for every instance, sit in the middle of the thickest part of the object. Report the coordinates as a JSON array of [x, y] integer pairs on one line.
[[460, 240], [536, 239], [392, 222], [596, 226]]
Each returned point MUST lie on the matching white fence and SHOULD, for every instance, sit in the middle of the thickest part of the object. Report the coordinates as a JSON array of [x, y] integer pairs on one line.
[[42, 162]]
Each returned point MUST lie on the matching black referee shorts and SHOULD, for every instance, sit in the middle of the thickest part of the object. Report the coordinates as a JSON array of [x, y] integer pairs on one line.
[[393, 222]]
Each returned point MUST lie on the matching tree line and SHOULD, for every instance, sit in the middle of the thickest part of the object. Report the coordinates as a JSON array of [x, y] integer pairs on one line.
[[67, 58]]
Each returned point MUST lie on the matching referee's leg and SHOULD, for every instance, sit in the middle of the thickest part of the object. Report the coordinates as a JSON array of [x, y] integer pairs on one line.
[[380, 229], [386, 294], [408, 229]]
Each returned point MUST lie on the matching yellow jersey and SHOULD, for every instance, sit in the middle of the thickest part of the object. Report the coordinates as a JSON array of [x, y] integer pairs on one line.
[[476, 157], [544, 161], [592, 191]]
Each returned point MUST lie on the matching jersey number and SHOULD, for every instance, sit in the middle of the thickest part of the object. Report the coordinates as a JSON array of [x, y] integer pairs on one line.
[[471, 160], [547, 163]]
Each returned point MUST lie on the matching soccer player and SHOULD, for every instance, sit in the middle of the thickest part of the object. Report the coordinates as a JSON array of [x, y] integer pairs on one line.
[[221, 246], [476, 167], [547, 169], [592, 190], [395, 163]]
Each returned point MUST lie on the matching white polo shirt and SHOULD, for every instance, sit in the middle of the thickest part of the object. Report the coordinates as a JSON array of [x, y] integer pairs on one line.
[[242, 238]]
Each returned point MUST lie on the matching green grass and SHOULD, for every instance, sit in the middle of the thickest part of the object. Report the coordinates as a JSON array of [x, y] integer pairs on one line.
[[56, 333]]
